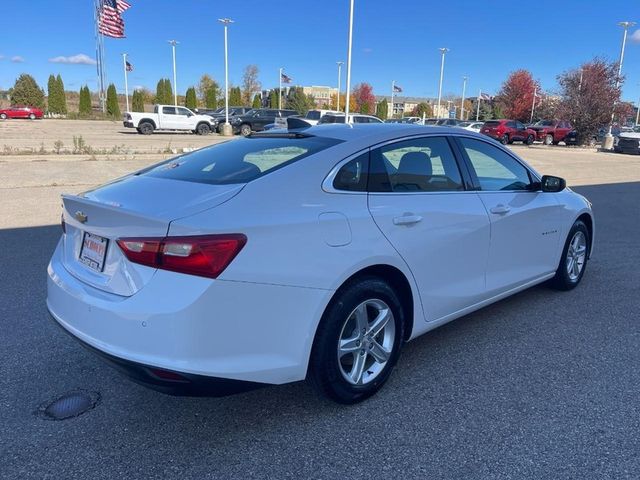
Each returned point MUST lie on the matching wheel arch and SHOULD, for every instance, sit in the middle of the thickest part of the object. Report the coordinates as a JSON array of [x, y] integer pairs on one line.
[[588, 221], [147, 120]]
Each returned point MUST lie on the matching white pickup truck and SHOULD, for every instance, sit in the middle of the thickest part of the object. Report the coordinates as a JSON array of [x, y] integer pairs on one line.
[[168, 117]]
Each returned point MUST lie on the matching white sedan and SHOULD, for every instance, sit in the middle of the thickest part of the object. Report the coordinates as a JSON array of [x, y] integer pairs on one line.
[[315, 253]]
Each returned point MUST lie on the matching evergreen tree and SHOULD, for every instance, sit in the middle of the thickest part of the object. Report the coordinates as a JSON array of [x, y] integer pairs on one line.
[[52, 101], [164, 92], [84, 109], [62, 96], [257, 102], [273, 98], [210, 97], [168, 91], [235, 97], [382, 109], [137, 102], [27, 92], [190, 100], [113, 109]]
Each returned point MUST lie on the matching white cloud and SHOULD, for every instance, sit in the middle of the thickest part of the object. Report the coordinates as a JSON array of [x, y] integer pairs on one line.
[[367, 50], [17, 59], [1, 57], [79, 59], [635, 36]]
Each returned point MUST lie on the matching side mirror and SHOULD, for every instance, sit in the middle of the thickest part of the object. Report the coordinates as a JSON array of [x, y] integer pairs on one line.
[[549, 183]]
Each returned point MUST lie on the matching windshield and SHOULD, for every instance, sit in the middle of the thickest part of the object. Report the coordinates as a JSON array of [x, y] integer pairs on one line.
[[544, 123], [239, 161]]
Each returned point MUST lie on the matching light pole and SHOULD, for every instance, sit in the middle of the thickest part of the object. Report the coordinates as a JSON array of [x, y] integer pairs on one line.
[[339, 71], [226, 128], [608, 140], [533, 104], [464, 87], [443, 51], [173, 44], [126, 81], [346, 108]]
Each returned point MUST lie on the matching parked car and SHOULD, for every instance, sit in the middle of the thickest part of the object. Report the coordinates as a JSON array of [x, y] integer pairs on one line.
[[448, 122], [572, 139], [208, 111], [431, 121], [314, 116], [551, 131], [403, 120], [473, 126], [285, 256], [168, 117], [255, 120], [353, 118], [220, 118], [16, 111], [508, 131], [628, 142]]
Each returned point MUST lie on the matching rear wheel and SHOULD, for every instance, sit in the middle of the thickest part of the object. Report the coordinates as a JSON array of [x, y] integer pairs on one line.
[[548, 139], [203, 129], [245, 129], [32, 116], [358, 341], [529, 140], [505, 139], [3, 116], [145, 128], [574, 258]]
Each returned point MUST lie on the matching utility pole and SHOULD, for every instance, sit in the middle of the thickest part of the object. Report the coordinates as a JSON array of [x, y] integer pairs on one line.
[[227, 130], [443, 51], [338, 97]]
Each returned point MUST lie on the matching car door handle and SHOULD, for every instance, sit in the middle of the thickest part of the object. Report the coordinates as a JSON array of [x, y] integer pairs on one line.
[[407, 219], [500, 209]]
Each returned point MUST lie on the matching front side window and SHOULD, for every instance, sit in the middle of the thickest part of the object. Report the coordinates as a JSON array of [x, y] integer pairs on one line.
[[496, 170], [238, 161], [416, 165], [183, 111]]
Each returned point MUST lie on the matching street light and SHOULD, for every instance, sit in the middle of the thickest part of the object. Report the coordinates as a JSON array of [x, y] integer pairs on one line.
[[464, 87], [443, 51], [173, 44], [339, 70], [608, 140], [226, 128], [346, 108]]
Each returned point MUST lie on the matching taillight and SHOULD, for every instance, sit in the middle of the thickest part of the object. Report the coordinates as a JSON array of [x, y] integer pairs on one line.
[[202, 255]]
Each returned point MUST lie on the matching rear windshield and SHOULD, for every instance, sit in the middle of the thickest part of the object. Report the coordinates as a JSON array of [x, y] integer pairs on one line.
[[313, 115], [239, 161], [491, 123], [332, 119]]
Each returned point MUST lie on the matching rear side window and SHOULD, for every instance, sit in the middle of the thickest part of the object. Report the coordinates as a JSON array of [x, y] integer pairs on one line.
[[169, 110], [352, 177], [416, 165], [239, 161]]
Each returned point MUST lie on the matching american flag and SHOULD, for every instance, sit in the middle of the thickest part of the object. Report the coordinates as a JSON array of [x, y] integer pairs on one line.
[[129, 66], [285, 78], [110, 22], [397, 89]]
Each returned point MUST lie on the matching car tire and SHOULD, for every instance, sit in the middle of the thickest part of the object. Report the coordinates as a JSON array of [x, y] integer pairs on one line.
[[32, 116], [203, 129], [529, 140], [353, 355], [573, 261], [548, 139], [3, 116], [245, 129], [146, 128], [505, 139]]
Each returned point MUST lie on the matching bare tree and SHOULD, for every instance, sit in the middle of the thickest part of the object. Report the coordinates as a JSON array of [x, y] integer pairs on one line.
[[250, 84]]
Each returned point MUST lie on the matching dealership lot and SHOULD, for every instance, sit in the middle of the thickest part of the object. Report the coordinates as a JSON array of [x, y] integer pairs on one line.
[[542, 385]]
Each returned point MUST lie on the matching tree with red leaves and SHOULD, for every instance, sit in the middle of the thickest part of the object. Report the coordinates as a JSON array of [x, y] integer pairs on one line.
[[588, 96], [365, 99], [516, 95]]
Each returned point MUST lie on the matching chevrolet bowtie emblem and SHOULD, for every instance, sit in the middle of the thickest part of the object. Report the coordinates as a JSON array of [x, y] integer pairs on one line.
[[80, 216]]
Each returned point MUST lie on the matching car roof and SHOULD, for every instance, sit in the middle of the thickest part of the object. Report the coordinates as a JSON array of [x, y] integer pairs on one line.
[[382, 131]]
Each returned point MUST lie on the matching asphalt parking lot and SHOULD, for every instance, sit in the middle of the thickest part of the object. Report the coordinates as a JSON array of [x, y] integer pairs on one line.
[[541, 385]]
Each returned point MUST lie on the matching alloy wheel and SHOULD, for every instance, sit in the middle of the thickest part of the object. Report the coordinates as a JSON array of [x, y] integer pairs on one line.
[[366, 342], [576, 255]]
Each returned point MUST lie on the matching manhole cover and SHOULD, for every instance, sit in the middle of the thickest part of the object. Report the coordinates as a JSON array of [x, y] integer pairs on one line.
[[69, 405]]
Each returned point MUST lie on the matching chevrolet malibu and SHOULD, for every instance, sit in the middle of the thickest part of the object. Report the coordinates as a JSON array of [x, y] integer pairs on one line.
[[313, 253]]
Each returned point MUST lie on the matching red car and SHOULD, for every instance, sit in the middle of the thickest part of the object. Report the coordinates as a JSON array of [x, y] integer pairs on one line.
[[20, 112], [551, 131], [508, 131]]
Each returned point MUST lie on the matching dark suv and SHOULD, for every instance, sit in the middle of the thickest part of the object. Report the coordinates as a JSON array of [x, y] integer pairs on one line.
[[508, 131], [219, 117], [255, 120]]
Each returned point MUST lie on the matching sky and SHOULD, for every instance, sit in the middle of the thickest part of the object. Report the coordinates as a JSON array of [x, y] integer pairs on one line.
[[396, 40]]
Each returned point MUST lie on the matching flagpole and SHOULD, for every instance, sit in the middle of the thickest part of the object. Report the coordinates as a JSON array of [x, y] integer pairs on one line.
[[173, 44], [478, 107], [126, 82], [280, 90], [464, 87], [393, 87], [346, 108], [533, 105]]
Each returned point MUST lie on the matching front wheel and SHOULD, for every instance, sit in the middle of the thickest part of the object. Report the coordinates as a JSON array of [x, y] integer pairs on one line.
[[3, 116], [358, 341], [203, 129], [504, 140], [574, 258], [548, 139], [245, 130], [32, 116], [529, 140]]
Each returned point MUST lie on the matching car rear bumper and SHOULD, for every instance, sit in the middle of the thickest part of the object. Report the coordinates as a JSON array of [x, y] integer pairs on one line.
[[207, 331], [128, 124]]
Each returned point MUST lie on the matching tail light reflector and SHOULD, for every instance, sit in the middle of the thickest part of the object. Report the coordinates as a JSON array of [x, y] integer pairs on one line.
[[202, 255]]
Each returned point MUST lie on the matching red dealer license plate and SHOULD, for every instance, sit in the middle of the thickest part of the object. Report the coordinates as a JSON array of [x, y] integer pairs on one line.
[[93, 251]]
